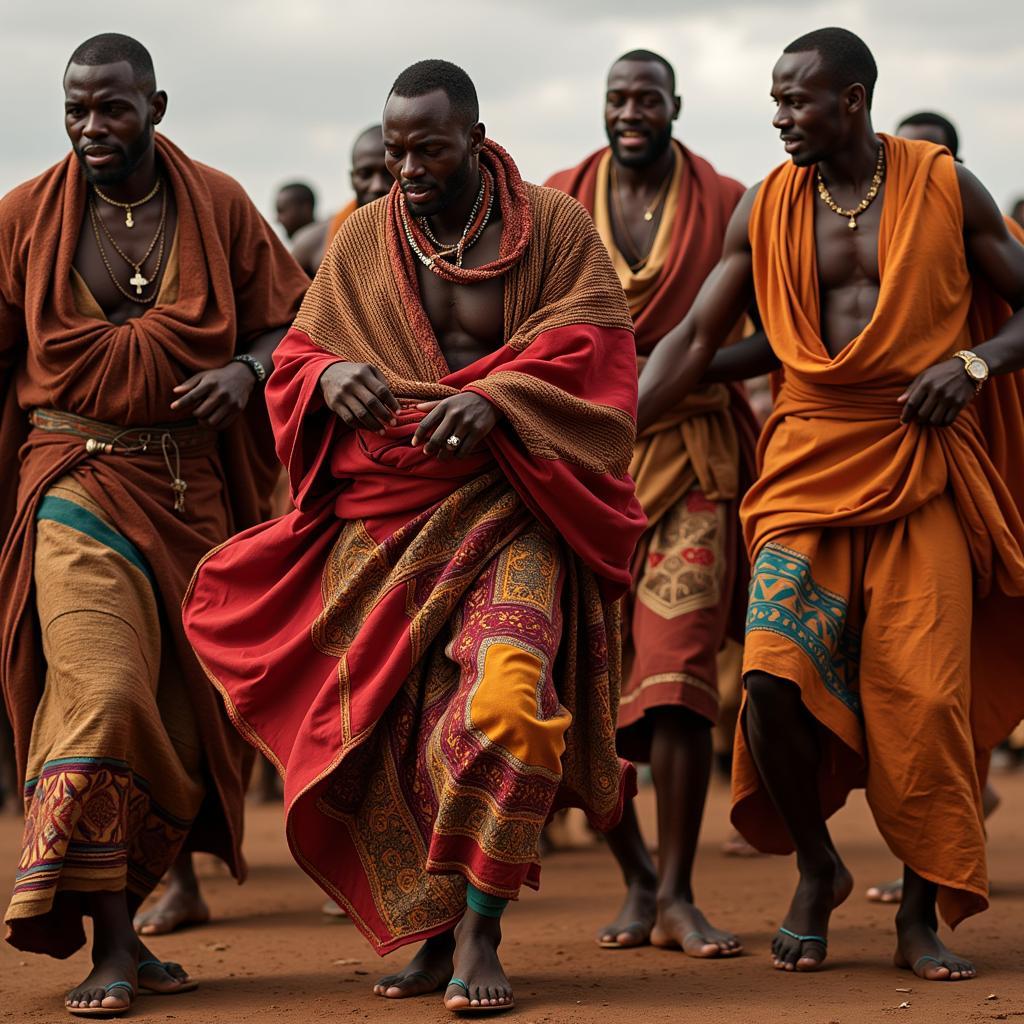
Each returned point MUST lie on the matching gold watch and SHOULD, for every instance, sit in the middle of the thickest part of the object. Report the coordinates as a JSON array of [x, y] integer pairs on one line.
[[976, 367]]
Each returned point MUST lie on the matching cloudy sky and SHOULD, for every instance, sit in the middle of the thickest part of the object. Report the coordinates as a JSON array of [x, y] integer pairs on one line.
[[269, 90]]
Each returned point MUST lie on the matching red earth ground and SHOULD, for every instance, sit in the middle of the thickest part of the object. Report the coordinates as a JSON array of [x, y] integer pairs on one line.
[[270, 955]]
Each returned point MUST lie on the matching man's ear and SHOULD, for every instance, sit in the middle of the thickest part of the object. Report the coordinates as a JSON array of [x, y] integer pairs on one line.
[[158, 106], [477, 137]]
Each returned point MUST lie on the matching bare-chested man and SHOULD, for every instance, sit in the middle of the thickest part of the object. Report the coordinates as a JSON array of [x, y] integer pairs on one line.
[[454, 405], [370, 180], [886, 279]]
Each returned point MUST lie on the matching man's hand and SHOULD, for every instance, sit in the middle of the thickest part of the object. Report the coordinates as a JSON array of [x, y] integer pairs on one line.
[[216, 397], [937, 395], [467, 416], [358, 395]]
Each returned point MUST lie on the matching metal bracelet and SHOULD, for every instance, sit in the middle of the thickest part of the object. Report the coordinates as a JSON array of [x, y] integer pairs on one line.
[[258, 369]]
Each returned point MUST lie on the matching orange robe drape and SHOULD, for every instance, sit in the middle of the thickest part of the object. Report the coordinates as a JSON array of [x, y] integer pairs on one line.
[[837, 463]]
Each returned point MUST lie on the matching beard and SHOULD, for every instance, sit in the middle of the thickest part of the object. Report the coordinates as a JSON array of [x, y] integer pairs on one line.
[[652, 152], [131, 156], [449, 191]]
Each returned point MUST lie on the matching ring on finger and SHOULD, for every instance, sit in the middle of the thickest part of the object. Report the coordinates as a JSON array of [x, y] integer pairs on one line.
[[454, 441]]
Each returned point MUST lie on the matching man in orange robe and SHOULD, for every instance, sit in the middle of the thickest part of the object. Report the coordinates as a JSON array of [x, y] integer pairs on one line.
[[885, 527], [370, 180], [661, 212], [133, 438]]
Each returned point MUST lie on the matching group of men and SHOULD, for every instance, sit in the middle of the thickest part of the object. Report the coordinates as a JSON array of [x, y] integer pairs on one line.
[[531, 516]]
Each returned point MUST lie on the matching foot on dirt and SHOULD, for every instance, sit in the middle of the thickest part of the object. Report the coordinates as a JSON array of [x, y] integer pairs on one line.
[[920, 950], [428, 971], [802, 941], [162, 977], [331, 909], [178, 907], [680, 925], [889, 892], [109, 989], [737, 846], [633, 925], [478, 983]]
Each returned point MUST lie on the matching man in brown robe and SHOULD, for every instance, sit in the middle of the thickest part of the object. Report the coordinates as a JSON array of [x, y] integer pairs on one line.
[[141, 299]]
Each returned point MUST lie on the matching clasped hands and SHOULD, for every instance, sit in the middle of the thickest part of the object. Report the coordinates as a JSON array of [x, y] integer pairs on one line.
[[937, 395], [359, 396]]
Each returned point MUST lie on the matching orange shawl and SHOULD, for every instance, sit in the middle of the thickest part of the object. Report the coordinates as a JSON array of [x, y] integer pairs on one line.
[[236, 282], [833, 452], [337, 220]]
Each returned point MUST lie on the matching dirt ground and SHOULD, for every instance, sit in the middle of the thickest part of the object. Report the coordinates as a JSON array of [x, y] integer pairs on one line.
[[270, 956]]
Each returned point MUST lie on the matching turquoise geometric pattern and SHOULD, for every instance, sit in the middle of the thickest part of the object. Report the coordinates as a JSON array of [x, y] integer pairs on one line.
[[784, 599]]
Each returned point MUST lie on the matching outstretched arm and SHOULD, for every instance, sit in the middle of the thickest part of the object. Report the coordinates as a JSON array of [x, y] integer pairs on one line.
[[941, 391], [680, 359]]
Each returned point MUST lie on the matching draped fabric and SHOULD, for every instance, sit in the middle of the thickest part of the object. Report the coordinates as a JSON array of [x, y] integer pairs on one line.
[[360, 640], [691, 467], [236, 281], [843, 478]]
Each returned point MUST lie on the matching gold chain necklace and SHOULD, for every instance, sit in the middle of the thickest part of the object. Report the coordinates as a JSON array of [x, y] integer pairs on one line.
[[137, 281], [638, 262], [876, 184], [129, 220]]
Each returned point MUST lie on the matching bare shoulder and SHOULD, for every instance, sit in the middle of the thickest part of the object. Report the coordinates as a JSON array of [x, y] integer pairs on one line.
[[981, 213]]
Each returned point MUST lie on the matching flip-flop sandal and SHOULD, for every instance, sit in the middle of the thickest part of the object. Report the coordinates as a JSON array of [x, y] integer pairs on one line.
[[823, 942], [636, 926], [901, 963], [105, 1012], [469, 1010], [189, 985]]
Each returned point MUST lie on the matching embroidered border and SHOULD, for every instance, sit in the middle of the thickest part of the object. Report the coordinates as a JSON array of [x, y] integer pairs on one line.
[[785, 599]]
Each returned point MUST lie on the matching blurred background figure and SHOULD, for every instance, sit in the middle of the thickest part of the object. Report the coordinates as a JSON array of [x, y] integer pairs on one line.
[[296, 207]]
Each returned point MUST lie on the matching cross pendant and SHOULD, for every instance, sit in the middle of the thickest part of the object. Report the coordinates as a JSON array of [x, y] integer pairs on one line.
[[138, 281]]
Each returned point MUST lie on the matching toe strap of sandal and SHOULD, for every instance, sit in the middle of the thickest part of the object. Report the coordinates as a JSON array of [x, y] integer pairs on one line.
[[805, 938], [459, 983]]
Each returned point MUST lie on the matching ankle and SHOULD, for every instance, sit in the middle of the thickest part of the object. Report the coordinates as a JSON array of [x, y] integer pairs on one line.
[[642, 879], [819, 865], [910, 918], [669, 895]]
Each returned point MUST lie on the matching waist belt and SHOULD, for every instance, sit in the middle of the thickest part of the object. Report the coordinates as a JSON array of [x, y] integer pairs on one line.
[[172, 440]]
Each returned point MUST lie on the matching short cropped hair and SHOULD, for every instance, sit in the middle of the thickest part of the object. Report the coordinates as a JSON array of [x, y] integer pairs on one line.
[[426, 76], [845, 56], [649, 56], [300, 188], [112, 48], [933, 120]]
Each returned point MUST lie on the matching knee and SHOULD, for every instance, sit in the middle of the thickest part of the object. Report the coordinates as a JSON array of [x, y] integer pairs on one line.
[[770, 696]]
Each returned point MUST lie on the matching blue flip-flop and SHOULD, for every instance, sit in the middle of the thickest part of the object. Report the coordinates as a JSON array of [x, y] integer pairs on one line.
[[820, 939], [105, 1012], [470, 1010]]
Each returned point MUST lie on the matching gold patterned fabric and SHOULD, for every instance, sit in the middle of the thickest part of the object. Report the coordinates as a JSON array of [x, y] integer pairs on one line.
[[113, 776]]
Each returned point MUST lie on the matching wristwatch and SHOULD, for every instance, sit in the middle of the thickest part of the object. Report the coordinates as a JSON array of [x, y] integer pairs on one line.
[[260, 371], [976, 367]]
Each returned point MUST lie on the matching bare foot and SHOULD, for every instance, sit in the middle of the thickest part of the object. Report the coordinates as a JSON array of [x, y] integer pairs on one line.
[[162, 977], [888, 892], [633, 925], [478, 980], [180, 906], [110, 985], [920, 950], [802, 941], [332, 909], [737, 846], [681, 925], [428, 971]]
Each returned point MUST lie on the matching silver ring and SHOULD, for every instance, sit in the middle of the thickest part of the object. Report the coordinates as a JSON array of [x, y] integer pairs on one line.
[[454, 441]]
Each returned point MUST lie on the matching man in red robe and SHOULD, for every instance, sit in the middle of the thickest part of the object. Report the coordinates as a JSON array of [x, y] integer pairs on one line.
[[661, 212], [428, 646], [141, 298]]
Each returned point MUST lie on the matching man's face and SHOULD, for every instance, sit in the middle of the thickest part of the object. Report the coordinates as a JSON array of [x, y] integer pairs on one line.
[[429, 150], [639, 109], [109, 120], [294, 210], [371, 178], [809, 114]]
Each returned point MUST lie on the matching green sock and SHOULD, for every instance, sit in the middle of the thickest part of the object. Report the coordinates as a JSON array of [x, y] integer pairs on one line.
[[484, 903]]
